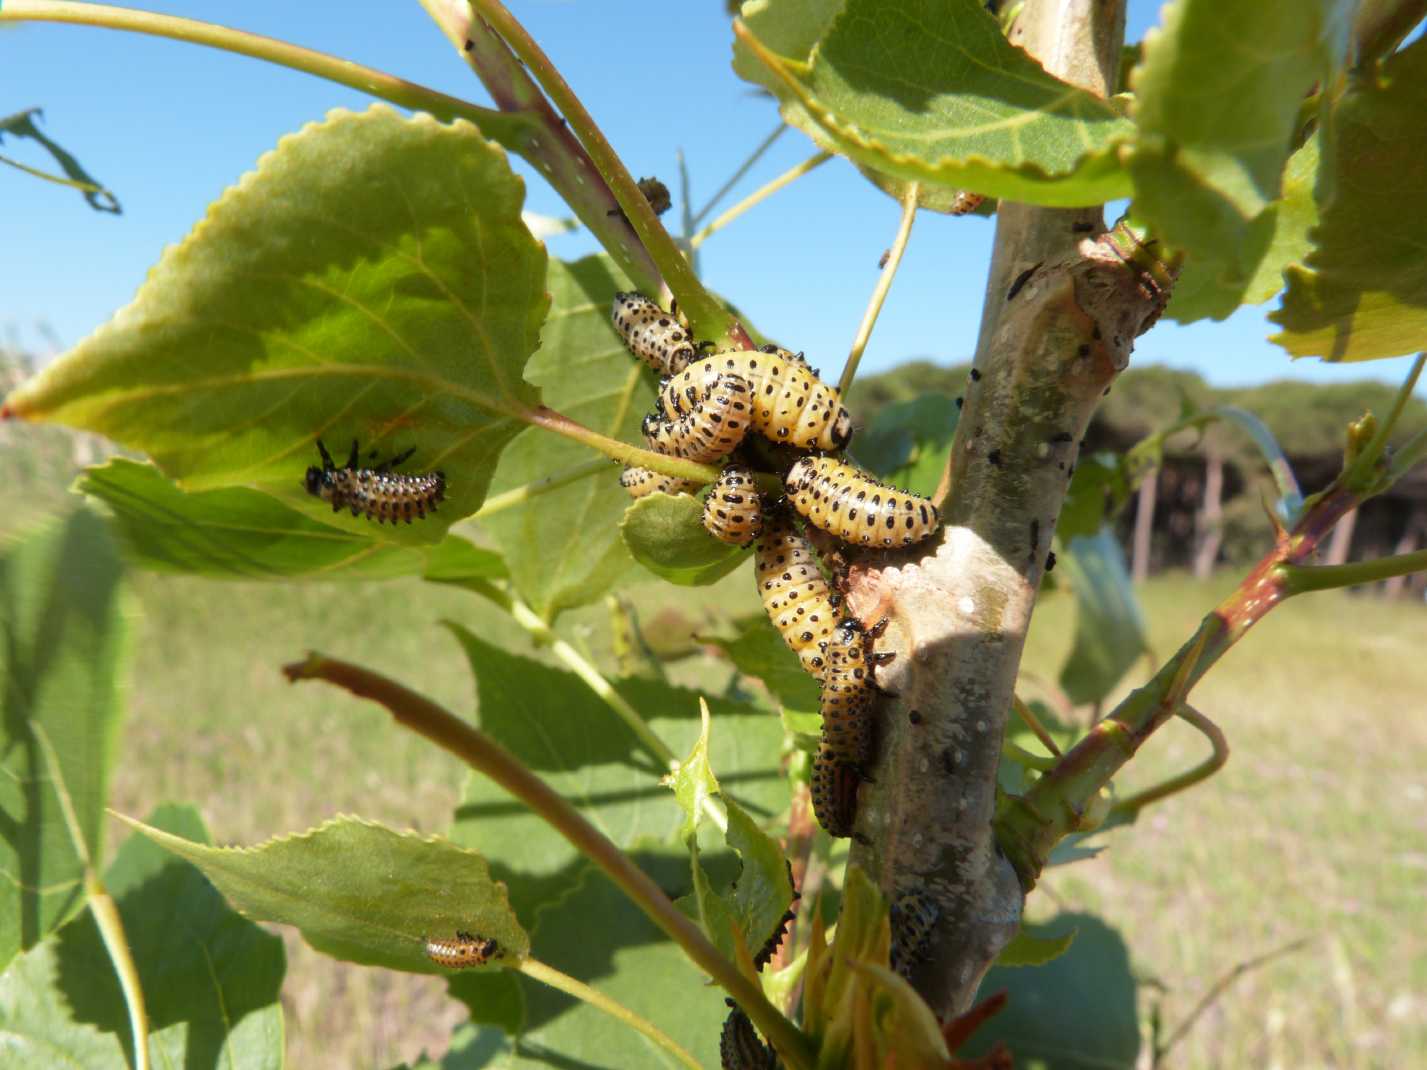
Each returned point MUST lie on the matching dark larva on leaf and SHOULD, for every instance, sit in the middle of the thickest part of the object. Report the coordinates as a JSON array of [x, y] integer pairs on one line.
[[794, 592], [640, 482], [654, 336], [789, 404], [733, 510], [771, 945], [377, 492], [465, 951], [845, 501], [738, 1045]]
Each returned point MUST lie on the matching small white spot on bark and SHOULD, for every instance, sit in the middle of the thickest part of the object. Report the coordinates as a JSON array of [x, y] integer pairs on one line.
[[980, 726], [966, 606], [1043, 450], [923, 766]]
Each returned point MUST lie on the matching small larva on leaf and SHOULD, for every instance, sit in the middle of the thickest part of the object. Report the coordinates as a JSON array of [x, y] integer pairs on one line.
[[465, 951], [733, 510], [378, 492], [845, 501]]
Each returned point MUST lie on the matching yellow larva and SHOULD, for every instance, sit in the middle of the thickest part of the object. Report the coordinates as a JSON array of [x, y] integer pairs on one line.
[[710, 427], [795, 594], [653, 335], [640, 482], [465, 951], [845, 501], [733, 510], [789, 403]]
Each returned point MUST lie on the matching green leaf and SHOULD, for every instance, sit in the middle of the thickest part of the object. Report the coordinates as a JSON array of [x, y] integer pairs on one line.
[[211, 980], [361, 892], [1216, 121], [1034, 945], [234, 533], [553, 723], [908, 442], [596, 935], [1097, 488], [758, 650], [1206, 287], [665, 533], [457, 561], [563, 547], [1075, 1013], [1362, 291], [1109, 629], [931, 91], [755, 905], [62, 658], [371, 280]]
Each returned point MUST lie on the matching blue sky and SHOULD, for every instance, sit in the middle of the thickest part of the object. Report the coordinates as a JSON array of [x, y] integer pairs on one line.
[[168, 126]]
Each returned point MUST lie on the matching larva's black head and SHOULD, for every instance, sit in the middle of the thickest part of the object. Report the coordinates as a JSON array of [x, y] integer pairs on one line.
[[842, 430], [316, 478]]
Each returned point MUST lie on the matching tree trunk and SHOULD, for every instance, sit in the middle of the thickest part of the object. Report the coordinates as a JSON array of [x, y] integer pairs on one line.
[[1416, 523], [1063, 306], [1211, 518], [1342, 539], [1144, 527]]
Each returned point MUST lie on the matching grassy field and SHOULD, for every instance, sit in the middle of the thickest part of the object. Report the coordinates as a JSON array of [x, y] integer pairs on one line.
[[1315, 830]]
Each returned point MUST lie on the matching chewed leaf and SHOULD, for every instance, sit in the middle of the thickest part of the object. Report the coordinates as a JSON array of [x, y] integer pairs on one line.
[[370, 280], [931, 91], [361, 892]]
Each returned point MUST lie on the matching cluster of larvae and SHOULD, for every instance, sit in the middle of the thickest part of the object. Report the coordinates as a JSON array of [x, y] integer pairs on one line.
[[708, 404]]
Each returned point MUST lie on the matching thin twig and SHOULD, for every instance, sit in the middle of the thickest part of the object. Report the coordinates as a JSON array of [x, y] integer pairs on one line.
[[101, 906], [736, 177], [508, 129], [1133, 804], [884, 284], [1216, 990], [1299, 579], [708, 317], [1028, 716], [486, 756], [760, 195]]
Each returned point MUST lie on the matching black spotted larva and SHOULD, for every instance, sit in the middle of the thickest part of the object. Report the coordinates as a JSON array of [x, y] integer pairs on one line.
[[789, 403], [654, 336], [640, 482], [795, 594], [711, 424], [738, 1045], [845, 501], [914, 915], [834, 792], [377, 492], [733, 510]]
